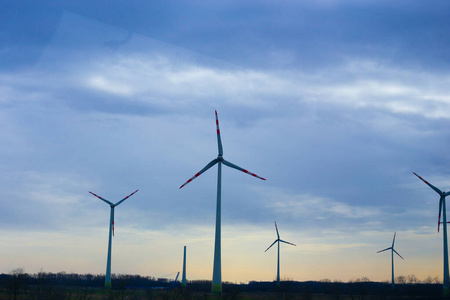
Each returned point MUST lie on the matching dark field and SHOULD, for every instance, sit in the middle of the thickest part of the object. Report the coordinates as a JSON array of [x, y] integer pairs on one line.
[[62, 286]]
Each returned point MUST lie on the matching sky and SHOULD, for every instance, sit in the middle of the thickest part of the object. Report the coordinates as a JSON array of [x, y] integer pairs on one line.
[[334, 102]]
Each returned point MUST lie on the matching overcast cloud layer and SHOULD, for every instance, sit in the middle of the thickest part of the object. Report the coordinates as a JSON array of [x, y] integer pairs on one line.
[[336, 103]]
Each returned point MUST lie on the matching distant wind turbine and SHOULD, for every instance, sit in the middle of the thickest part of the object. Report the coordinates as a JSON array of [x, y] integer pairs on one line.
[[111, 233], [217, 268], [392, 258], [278, 258], [446, 283]]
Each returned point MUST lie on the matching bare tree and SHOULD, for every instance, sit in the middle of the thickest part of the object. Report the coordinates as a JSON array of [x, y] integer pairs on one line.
[[400, 279], [336, 289], [412, 279], [361, 285], [428, 280], [17, 282]]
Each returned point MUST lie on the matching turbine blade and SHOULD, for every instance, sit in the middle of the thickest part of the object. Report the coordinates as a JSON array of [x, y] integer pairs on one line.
[[240, 169], [219, 141], [276, 228], [430, 185], [101, 198], [446, 194], [126, 198], [393, 241], [113, 223], [288, 243], [384, 249], [271, 245], [212, 163], [397, 253]]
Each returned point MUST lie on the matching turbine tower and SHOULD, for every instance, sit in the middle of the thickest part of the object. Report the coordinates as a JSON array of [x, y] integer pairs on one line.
[[392, 258], [217, 268], [446, 283], [183, 280], [111, 234], [278, 258]]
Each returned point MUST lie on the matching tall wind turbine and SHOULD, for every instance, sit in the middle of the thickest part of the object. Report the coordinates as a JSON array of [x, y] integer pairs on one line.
[[278, 258], [392, 258], [217, 268], [446, 283], [111, 234]]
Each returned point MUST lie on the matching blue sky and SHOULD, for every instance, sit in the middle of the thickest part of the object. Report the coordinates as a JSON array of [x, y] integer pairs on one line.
[[335, 103]]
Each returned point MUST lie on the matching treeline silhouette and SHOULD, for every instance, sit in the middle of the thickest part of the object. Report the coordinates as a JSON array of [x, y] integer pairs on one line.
[[46, 285]]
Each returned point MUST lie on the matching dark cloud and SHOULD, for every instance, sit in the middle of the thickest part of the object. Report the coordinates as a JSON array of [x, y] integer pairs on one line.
[[301, 35]]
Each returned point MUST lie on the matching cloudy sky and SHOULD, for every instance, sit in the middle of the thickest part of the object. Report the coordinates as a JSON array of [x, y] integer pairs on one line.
[[334, 102]]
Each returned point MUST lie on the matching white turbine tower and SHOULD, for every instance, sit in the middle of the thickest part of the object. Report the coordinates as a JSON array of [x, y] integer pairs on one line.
[[278, 257], [183, 280], [446, 283], [111, 233], [392, 258], [217, 268]]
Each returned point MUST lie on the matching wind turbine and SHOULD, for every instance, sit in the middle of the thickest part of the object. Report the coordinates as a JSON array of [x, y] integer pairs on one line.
[[278, 258], [392, 257], [111, 233], [217, 268], [446, 283]]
